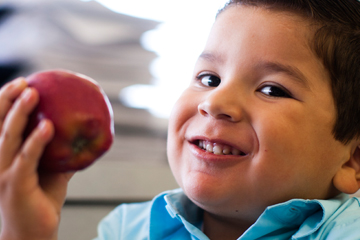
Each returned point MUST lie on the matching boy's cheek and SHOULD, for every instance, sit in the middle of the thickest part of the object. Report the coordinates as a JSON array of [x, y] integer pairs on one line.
[[183, 110]]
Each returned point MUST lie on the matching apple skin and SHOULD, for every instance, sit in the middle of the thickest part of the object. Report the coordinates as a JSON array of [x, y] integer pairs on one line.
[[82, 118]]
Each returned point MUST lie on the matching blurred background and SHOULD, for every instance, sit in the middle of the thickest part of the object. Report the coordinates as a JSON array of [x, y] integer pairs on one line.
[[142, 54]]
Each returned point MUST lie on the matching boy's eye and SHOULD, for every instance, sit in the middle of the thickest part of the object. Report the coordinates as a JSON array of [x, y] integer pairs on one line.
[[209, 80], [275, 91]]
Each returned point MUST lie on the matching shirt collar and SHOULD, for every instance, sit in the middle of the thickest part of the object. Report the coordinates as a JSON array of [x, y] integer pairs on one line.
[[180, 207], [296, 217], [328, 208], [179, 204]]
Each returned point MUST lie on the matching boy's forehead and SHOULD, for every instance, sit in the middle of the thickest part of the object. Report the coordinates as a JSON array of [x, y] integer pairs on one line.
[[278, 12], [285, 16], [243, 24]]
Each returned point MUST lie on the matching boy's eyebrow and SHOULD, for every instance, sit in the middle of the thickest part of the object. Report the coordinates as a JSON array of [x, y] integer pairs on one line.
[[211, 57], [292, 71]]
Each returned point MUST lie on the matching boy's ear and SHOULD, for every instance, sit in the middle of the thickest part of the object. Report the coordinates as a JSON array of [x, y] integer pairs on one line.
[[347, 179]]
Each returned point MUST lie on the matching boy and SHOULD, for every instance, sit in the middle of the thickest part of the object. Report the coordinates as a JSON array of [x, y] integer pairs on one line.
[[264, 143]]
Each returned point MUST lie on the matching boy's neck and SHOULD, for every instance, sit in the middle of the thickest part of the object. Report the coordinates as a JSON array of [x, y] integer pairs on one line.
[[218, 228]]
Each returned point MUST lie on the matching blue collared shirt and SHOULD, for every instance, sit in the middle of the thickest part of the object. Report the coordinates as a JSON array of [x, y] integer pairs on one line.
[[171, 215]]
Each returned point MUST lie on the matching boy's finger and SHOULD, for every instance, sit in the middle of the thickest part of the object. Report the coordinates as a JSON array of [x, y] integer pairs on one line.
[[55, 186], [8, 93], [14, 125], [27, 159]]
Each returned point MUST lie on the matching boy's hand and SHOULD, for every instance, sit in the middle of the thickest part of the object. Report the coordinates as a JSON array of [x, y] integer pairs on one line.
[[30, 203]]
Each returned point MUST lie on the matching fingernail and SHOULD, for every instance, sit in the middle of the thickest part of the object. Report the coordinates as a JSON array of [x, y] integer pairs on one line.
[[45, 128], [26, 95], [19, 81], [42, 125]]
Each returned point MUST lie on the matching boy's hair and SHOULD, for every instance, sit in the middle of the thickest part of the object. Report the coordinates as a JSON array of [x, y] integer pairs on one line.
[[337, 43]]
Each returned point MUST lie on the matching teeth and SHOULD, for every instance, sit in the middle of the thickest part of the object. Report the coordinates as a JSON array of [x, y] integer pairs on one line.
[[209, 147], [235, 152], [226, 150], [219, 149]]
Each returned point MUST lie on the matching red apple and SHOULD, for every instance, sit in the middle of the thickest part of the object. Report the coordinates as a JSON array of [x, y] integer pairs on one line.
[[82, 117]]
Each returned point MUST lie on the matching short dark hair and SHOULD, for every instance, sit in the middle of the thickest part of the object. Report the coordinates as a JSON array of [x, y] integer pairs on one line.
[[337, 43]]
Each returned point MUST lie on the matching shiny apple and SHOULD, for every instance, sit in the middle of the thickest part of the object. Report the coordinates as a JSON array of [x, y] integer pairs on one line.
[[82, 118]]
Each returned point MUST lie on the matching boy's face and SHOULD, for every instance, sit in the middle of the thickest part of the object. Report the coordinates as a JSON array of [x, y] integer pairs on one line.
[[257, 91]]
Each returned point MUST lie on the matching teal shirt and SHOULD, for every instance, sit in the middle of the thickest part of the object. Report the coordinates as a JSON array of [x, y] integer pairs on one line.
[[171, 215]]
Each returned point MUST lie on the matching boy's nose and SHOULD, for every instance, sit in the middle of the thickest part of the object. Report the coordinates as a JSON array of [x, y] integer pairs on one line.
[[222, 105]]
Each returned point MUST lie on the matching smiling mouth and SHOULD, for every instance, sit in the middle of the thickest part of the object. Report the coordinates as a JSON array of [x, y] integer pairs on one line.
[[218, 149]]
